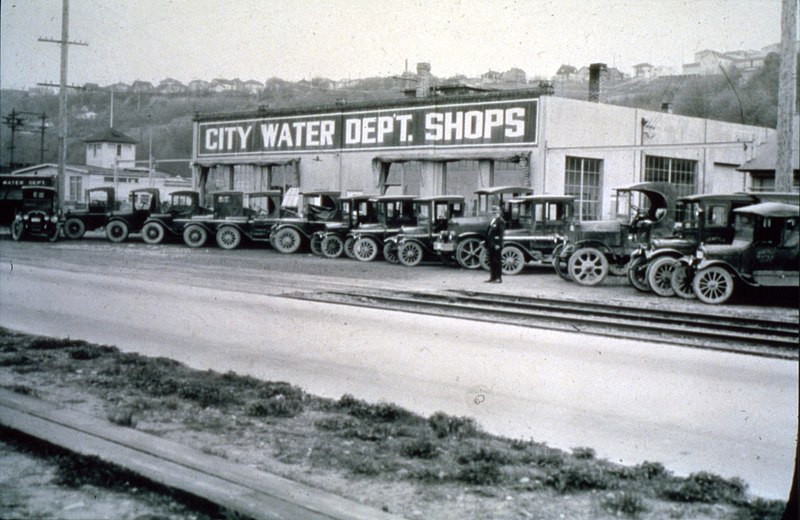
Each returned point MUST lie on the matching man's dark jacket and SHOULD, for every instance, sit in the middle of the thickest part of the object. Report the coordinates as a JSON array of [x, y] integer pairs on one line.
[[494, 235]]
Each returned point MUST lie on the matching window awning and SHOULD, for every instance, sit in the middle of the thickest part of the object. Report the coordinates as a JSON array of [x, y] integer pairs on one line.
[[452, 156], [210, 163]]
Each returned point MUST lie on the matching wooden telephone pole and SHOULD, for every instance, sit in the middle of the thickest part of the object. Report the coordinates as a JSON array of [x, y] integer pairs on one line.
[[62, 99], [787, 96]]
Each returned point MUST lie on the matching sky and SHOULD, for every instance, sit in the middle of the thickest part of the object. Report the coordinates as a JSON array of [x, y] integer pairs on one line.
[[152, 40]]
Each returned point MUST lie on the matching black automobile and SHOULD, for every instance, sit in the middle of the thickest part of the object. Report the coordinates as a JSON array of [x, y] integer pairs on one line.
[[370, 239], [317, 208], [143, 203], [261, 212], [100, 203], [414, 243], [356, 210], [159, 226], [38, 215]]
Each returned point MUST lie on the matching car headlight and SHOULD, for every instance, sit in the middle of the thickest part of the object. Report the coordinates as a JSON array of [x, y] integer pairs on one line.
[[54, 219], [26, 217]]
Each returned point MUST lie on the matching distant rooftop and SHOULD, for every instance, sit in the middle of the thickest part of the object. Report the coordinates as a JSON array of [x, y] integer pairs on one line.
[[110, 135]]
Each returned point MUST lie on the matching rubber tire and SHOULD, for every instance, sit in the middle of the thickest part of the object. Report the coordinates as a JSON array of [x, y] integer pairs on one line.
[[332, 246], [74, 228], [637, 274], [681, 286], [17, 230], [153, 233], [588, 266], [560, 266], [410, 254], [228, 237], [287, 241], [468, 253], [713, 285], [512, 260], [315, 244], [195, 236], [365, 249], [659, 274], [349, 243], [390, 253], [117, 231]]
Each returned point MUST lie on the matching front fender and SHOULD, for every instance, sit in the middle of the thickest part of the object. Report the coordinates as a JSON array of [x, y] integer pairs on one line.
[[279, 227], [658, 253], [704, 264]]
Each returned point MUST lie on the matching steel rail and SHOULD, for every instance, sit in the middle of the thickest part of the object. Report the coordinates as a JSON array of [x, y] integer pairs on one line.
[[576, 320]]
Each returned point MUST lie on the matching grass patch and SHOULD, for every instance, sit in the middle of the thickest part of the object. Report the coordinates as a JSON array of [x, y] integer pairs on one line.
[[707, 488], [624, 503], [276, 406], [444, 425]]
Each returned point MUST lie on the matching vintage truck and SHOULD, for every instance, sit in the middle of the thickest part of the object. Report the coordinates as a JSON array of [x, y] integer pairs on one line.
[[37, 214]]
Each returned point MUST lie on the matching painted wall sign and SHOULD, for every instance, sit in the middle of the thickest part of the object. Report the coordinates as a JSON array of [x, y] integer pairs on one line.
[[458, 125]]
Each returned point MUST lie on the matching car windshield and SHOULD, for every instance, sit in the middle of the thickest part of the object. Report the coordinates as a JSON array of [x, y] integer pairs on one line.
[[37, 201], [182, 202], [397, 213], [98, 200], [261, 205], [142, 201]]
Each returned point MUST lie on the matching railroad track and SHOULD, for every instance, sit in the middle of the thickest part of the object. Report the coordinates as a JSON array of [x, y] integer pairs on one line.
[[763, 337]]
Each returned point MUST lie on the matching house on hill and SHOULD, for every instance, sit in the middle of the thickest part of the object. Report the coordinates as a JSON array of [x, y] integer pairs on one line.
[[566, 73], [199, 86], [643, 70], [171, 86], [252, 86], [142, 87]]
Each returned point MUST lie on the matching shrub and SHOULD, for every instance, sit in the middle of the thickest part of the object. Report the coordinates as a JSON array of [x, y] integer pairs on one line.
[[278, 406], [651, 470], [384, 412], [583, 453], [56, 343], [420, 449], [16, 360], [480, 473], [444, 425], [483, 455], [89, 352], [122, 417], [23, 390], [624, 503], [580, 477], [706, 487], [364, 465], [204, 393]]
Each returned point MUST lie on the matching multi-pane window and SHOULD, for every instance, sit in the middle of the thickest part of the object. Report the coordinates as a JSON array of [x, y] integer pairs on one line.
[[583, 180], [119, 150], [681, 173], [76, 188]]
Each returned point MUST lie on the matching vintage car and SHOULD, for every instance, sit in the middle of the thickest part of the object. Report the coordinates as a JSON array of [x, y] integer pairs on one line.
[[230, 219], [596, 248], [414, 243], [143, 203], [763, 253], [183, 205], [701, 219], [356, 210], [38, 214], [316, 209], [100, 203], [535, 231], [261, 212], [464, 236], [369, 239]]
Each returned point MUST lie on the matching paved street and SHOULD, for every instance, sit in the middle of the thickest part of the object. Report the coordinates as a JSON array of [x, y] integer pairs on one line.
[[689, 409]]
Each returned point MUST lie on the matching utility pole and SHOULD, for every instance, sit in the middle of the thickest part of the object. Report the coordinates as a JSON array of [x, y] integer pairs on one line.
[[787, 95], [14, 122], [62, 98]]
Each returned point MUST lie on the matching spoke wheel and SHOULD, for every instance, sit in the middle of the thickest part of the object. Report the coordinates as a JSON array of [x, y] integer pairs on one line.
[[588, 266], [365, 249], [228, 237], [468, 253], [349, 245], [713, 285], [390, 253], [74, 228], [410, 254], [195, 236], [637, 274], [659, 275], [561, 265], [153, 233], [512, 260], [316, 244], [17, 230], [117, 231], [332, 246], [681, 281], [287, 240]]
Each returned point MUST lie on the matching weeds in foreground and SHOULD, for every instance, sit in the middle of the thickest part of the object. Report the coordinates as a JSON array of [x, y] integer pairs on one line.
[[624, 504]]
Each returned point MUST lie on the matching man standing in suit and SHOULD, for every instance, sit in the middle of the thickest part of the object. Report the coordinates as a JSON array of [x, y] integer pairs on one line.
[[494, 245]]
